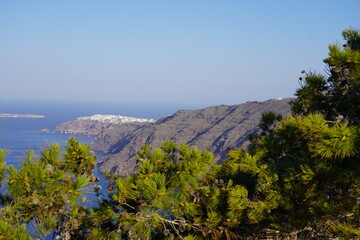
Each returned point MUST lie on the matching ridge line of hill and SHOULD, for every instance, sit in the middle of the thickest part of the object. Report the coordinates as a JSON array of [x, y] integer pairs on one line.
[[216, 128]]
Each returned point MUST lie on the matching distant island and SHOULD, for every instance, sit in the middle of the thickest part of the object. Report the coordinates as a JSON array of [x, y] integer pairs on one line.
[[16, 115]]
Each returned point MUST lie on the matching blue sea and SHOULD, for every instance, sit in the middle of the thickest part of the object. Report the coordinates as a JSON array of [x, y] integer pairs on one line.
[[18, 135]]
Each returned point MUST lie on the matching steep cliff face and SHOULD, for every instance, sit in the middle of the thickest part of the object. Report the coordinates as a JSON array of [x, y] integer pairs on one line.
[[217, 129]]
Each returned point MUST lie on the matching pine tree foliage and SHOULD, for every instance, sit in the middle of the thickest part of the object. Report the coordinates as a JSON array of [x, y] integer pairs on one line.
[[163, 199], [338, 95], [11, 231], [315, 153], [317, 165], [78, 158], [299, 179], [2, 165], [45, 193]]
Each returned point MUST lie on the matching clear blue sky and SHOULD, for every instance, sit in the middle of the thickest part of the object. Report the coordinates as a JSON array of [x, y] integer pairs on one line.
[[202, 52]]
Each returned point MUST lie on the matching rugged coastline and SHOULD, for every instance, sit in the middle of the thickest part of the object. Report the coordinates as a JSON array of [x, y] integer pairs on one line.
[[216, 128]]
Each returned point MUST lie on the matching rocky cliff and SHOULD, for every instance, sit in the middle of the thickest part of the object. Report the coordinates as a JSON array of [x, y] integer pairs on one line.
[[217, 129]]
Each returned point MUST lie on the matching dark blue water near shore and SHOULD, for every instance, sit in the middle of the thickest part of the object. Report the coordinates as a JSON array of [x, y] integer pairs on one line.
[[17, 135]]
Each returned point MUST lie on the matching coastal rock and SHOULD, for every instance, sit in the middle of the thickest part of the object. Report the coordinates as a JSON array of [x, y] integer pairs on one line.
[[97, 124], [217, 129]]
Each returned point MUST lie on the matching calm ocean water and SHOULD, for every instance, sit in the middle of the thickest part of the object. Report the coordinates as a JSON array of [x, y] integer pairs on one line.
[[17, 135]]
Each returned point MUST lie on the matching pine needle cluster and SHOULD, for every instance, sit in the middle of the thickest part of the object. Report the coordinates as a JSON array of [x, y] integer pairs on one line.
[[43, 194]]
